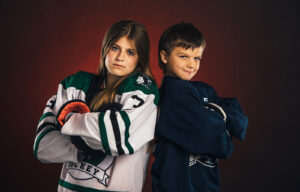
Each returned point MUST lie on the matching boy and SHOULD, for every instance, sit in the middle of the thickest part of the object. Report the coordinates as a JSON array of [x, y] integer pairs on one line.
[[195, 126]]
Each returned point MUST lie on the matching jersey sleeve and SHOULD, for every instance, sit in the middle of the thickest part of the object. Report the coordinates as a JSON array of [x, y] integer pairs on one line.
[[124, 130], [50, 146], [185, 121]]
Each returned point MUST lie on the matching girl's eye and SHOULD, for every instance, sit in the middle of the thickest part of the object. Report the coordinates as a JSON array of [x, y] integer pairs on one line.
[[197, 59], [131, 53], [114, 48]]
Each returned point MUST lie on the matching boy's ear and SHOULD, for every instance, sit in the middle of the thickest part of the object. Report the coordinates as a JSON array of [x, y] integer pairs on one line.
[[163, 56]]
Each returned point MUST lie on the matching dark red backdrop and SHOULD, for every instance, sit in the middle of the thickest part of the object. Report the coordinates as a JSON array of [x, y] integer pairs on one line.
[[251, 53]]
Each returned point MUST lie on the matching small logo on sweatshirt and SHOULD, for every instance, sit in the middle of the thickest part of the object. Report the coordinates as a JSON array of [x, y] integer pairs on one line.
[[204, 160]]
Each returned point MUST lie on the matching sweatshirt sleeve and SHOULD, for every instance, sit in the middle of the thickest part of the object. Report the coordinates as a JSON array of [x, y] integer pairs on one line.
[[237, 121], [184, 121], [123, 130]]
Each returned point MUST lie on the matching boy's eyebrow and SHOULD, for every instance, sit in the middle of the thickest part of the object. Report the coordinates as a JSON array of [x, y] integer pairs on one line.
[[179, 52]]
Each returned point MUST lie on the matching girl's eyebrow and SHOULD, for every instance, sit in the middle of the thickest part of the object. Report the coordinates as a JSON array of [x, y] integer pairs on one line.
[[116, 45], [128, 49], [134, 50]]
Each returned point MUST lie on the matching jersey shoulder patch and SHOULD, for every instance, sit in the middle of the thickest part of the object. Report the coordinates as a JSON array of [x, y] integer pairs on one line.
[[141, 82]]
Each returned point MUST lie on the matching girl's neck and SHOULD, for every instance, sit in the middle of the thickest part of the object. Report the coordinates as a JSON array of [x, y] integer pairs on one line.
[[110, 80]]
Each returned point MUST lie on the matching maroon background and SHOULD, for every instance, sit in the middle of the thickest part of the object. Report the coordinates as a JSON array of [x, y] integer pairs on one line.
[[251, 53]]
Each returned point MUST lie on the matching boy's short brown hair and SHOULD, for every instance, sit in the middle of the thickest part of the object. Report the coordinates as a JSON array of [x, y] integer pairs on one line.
[[184, 35]]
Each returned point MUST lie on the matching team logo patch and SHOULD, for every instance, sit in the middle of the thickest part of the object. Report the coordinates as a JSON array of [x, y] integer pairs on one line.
[[144, 80], [204, 160], [86, 171]]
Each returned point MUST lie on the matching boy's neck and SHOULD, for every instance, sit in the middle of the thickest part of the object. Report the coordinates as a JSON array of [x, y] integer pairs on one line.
[[171, 76]]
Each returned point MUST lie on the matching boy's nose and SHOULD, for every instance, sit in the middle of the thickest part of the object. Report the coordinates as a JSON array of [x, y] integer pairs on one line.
[[191, 64]]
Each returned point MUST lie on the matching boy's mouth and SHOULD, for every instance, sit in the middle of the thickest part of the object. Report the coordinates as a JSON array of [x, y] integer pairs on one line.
[[189, 72]]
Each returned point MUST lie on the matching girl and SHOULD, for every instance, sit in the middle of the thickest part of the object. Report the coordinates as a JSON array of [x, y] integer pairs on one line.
[[99, 126]]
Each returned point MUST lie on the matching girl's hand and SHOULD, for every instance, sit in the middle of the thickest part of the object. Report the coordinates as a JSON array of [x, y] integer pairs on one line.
[[73, 106]]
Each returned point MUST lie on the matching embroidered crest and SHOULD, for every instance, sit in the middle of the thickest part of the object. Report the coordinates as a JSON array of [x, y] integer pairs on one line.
[[86, 171], [140, 80], [144, 80]]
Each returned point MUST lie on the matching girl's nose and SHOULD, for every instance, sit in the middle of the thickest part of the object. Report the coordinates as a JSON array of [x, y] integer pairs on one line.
[[120, 56]]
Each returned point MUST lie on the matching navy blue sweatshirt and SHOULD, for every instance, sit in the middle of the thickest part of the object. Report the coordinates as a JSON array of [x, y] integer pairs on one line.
[[191, 136]]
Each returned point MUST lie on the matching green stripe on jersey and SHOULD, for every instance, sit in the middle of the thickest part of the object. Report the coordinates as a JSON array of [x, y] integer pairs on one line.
[[135, 82], [127, 124], [46, 115], [79, 188], [39, 139], [81, 80], [103, 133]]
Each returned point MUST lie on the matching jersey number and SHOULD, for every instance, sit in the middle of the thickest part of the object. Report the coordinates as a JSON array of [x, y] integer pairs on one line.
[[141, 101], [51, 103]]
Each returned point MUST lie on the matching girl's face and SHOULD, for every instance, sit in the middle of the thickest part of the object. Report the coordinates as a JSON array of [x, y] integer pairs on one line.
[[121, 59]]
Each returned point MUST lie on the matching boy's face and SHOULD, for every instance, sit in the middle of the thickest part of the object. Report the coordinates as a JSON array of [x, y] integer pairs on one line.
[[182, 63]]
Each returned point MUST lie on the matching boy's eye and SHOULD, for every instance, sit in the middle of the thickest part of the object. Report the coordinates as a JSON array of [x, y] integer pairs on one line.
[[197, 59], [182, 56]]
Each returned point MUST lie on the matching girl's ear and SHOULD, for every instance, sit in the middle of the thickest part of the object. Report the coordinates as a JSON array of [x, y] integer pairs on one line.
[[163, 56]]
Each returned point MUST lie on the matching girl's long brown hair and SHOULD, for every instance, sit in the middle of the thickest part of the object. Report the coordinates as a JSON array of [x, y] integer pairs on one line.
[[133, 31]]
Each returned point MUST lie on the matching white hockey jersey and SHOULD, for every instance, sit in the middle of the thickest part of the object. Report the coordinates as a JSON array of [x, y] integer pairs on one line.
[[122, 135]]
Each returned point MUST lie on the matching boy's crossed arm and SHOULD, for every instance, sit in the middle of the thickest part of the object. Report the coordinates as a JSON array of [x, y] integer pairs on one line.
[[185, 121]]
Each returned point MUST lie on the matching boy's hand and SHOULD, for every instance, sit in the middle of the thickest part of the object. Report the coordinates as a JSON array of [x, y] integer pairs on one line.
[[216, 108]]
